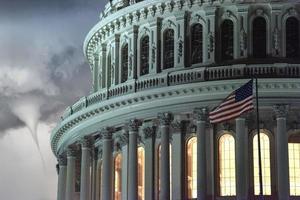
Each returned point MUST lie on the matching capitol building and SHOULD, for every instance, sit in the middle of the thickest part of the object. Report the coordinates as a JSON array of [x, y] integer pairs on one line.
[[158, 68]]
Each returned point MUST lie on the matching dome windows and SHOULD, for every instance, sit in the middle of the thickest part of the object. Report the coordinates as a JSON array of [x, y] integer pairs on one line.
[[197, 43], [124, 63], [259, 37], [292, 37], [144, 56], [168, 49]]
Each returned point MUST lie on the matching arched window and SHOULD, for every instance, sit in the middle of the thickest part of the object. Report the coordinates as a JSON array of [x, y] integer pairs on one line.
[[292, 37], [168, 49], [144, 62], [227, 40], [109, 70], [118, 177], [141, 173], [192, 167], [294, 164], [265, 164], [259, 41], [227, 165], [124, 64], [197, 43], [158, 161]]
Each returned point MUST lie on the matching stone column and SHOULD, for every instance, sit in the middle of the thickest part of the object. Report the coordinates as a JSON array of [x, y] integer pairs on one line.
[[94, 173], [132, 159], [241, 155], [132, 54], [165, 119], [70, 188], [148, 136], [200, 115], [85, 169], [106, 177], [103, 65], [282, 161], [62, 175], [98, 174], [117, 59], [95, 73]]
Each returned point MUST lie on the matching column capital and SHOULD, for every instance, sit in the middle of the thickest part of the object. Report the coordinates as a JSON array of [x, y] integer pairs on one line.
[[122, 139], [62, 160], [149, 132], [281, 110], [200, 114], [179, 125], [71, 151], [165, 118], [106, 133], [86, 142], [134, 125]]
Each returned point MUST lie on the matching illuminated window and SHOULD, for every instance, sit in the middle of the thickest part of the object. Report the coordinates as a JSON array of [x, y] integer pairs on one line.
[[265, 164], [197, 43], [141, 173], [227, 40], [118, 177], [227, 165], [168, 48], [292, 37], [124, 61], [294, 165], [144, 55], [192, 167], [259, 37], [159, 154]]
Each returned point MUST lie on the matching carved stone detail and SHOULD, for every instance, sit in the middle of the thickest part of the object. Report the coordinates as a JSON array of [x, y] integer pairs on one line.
[[281, 110], [71, 151], [149, 132], [106, 132], [134, 125], [165, 118], [86, 142], [62, 160], [201, 114]]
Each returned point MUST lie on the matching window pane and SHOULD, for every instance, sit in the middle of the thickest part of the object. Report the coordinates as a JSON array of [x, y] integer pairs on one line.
[[118, 177], [227, 40], [124, 72], [169, 48], [292, 37], [109, 70], [144, 55], [141, 173], [227, 165], [294, 165], [265, 164], [192, 167], [197, 42], [259, 37]]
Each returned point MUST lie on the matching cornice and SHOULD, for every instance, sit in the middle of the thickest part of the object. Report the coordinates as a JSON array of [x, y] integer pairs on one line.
[[210, 92]]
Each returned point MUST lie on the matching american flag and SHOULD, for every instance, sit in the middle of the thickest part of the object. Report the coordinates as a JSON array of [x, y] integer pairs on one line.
[[238, 102]]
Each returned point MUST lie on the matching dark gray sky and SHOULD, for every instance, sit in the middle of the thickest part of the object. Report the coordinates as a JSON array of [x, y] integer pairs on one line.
[[42, 71]]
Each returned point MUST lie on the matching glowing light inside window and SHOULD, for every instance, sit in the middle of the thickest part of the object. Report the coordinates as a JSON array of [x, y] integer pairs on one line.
[[118, 177], [265, 164], [141, 173], [294, 168], [227, 165], [192, 167]]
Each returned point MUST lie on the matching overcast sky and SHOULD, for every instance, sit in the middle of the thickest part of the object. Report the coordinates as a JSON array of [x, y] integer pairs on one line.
[[42, 71]]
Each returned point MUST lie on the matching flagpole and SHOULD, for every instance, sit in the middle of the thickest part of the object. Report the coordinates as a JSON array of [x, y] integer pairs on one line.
[[258, 141]]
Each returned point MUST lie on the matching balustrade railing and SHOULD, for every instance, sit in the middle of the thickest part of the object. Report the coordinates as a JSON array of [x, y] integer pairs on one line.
[[277, 70]]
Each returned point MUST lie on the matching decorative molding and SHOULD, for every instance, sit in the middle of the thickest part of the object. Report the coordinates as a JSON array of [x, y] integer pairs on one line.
[[134, 125], [86, 142], [165, 119], [201, 114], [72, 151], [106, 133], [149, 132], [62, 160], [281, 110]]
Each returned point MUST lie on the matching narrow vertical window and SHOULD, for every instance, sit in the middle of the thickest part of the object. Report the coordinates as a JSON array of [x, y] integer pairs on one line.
[[141, 173], [294, 164], [109, 75], [227, 165], [124, 64], [118, 177], [292, 37], [168, 49], [144, 62], [265, 164], [197, 43], [192, 167], [227, 40], [259, 38]]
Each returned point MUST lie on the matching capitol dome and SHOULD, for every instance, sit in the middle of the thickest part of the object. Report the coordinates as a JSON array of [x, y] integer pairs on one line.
[[158, 68]]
